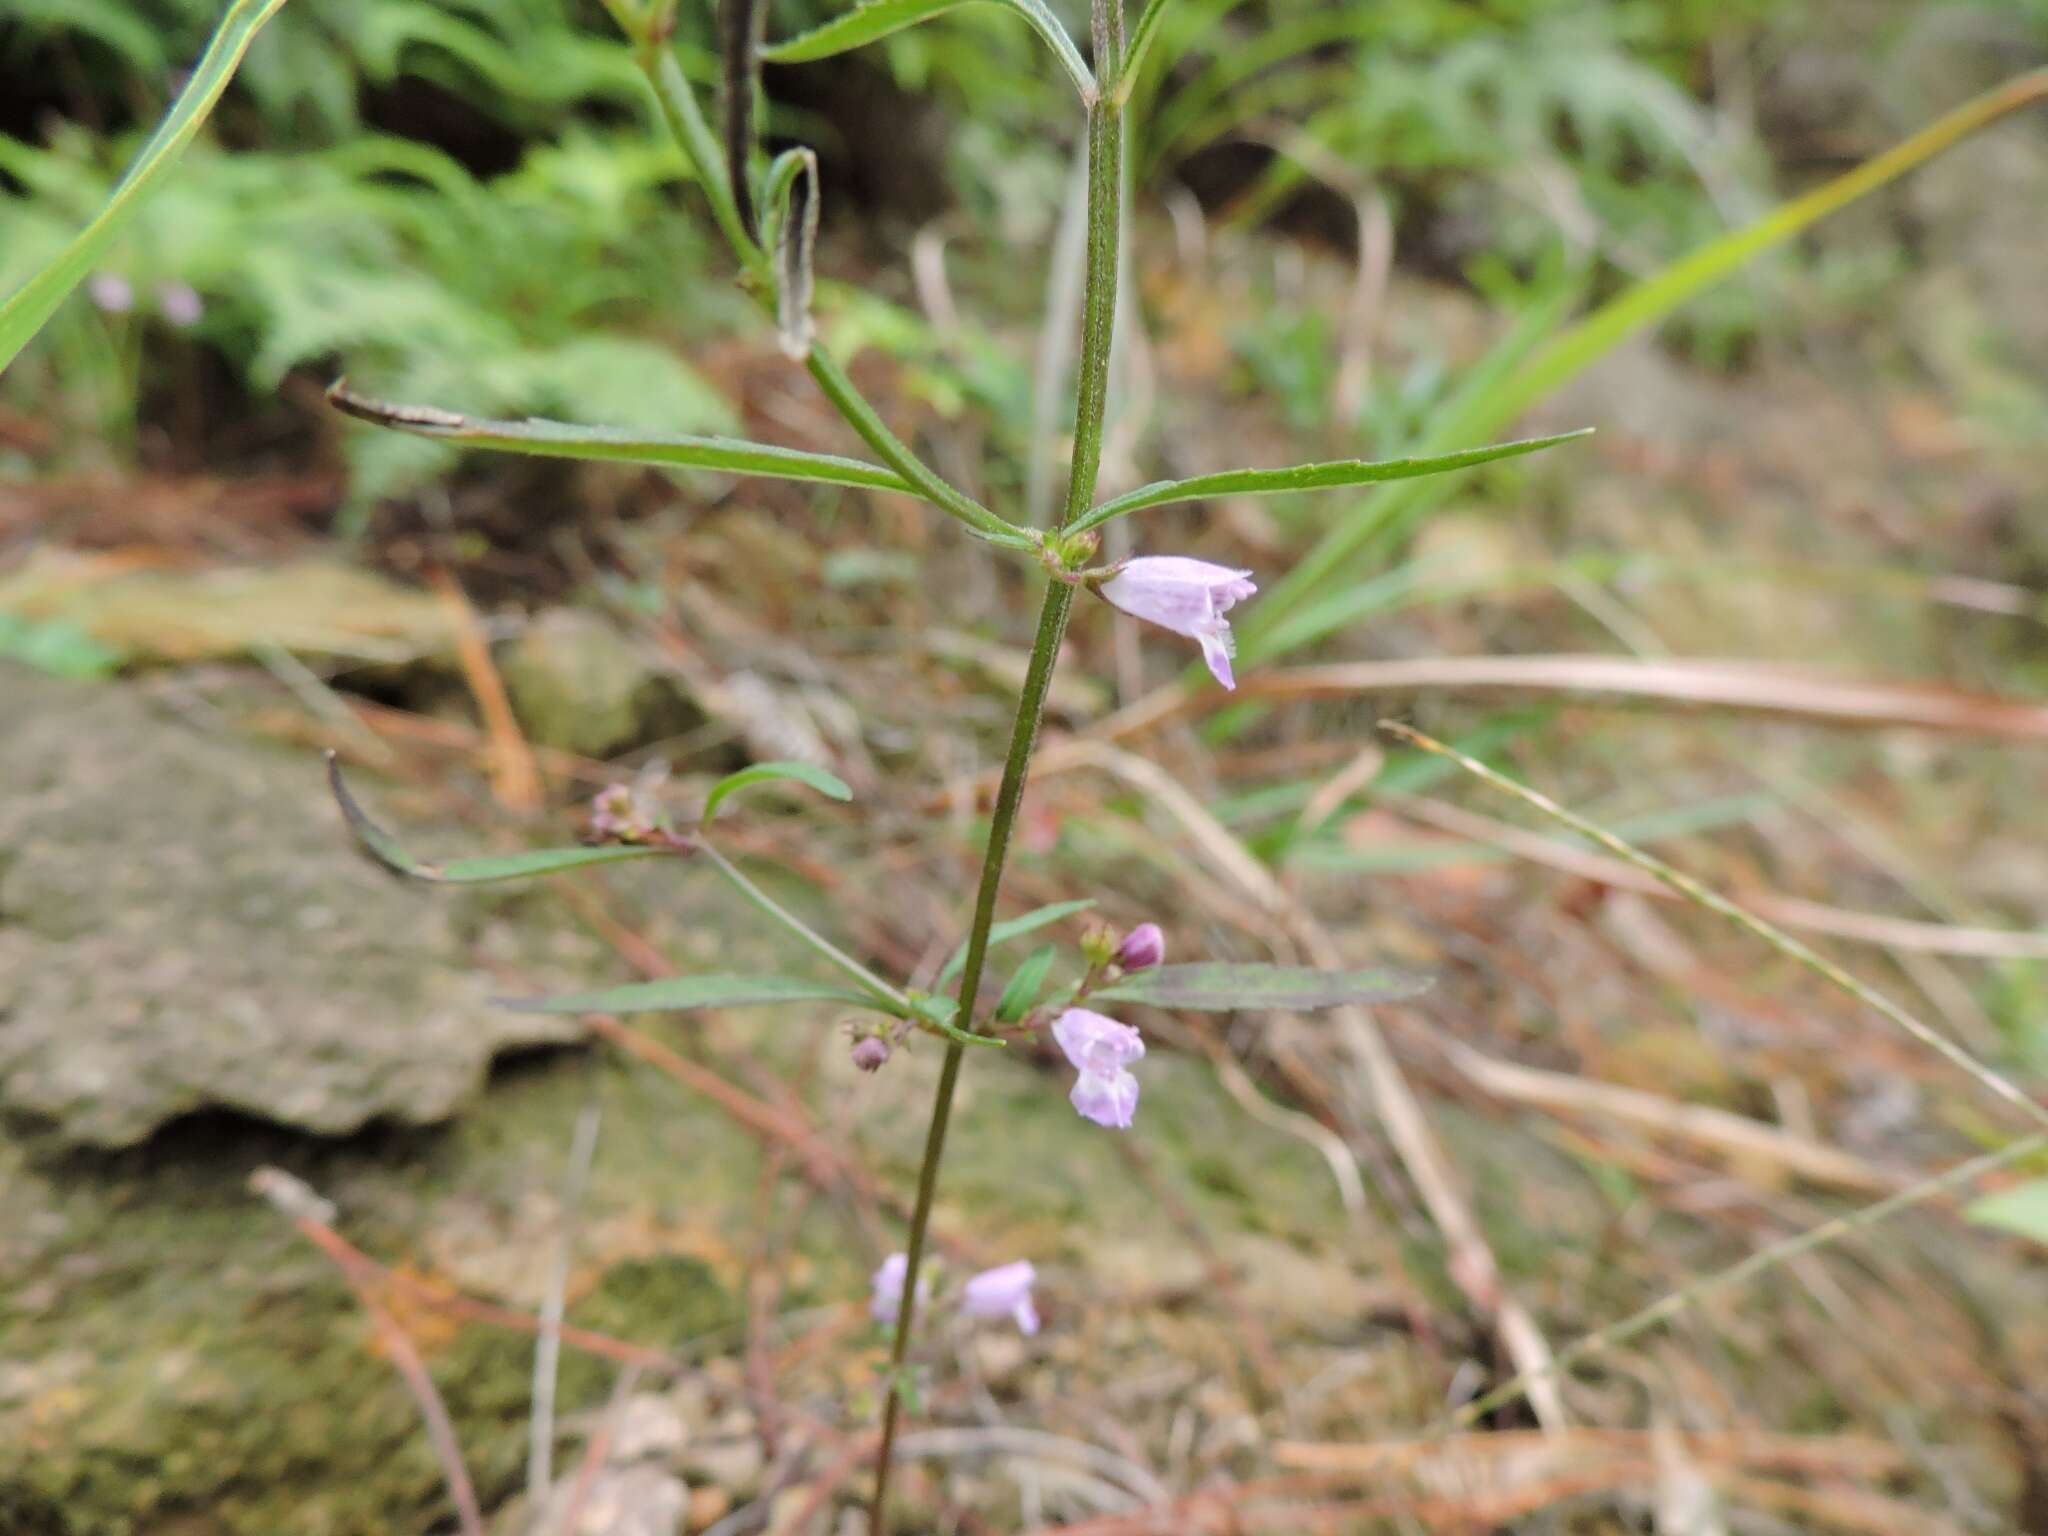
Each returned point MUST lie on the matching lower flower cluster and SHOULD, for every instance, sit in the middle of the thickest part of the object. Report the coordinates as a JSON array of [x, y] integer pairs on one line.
[[1004, 1291]]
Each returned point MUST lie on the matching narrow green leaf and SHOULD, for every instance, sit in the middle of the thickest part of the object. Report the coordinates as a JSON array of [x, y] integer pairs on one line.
[[1220, 988], [1498, 400], [25, 311], [2022, 1209], [1022, 991], [825, 783], [1656, 296], [1142, 37], [1310, 477], [1015, 928], [566, 440], [674, 993], [388, 851], [875, 19]]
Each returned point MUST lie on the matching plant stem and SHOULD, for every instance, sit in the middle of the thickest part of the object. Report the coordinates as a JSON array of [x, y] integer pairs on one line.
[[896, 1001], [864, 419], [700, 146], [1098, 318]]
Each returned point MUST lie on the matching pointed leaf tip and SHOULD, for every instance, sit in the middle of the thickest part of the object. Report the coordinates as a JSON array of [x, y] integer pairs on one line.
[[822, 780], [392, 855]]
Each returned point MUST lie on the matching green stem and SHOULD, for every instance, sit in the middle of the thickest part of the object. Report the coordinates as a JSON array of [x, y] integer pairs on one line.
[[892, 450], [1052, 626], [700, 146], [897, 1002], [1098, 318]]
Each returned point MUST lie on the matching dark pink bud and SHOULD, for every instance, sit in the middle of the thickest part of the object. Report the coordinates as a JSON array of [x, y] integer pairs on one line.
[[1144, 946], [870, 1052]]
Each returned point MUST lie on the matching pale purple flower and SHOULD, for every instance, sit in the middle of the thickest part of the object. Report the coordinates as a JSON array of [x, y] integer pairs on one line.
[[888, 1284], [1004, 1291], [871, 1054], [1102, 1051], [111, 292], [1143, 947], [1186, 596], [179, 303]]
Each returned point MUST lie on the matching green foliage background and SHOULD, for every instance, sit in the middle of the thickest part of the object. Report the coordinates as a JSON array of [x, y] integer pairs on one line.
[[462, 201]]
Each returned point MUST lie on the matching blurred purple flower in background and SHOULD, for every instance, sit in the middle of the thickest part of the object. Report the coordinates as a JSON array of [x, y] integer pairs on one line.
[[179, 303], [1004, 1291], [1101, 1050], [1186, 596], [110, 292], [871, 1053]]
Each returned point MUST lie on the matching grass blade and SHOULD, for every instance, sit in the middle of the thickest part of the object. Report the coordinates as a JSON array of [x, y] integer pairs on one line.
[[25, 311], [1700, 895], [1485, 410], [1142, 36], [876, 19], [1310, 477]]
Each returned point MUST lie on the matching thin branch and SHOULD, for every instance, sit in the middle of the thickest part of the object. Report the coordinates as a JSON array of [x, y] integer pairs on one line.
[[307, 1210]]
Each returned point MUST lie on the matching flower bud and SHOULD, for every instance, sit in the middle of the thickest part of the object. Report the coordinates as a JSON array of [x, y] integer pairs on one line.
[[870, 1053], [1143, 947], [1098, 944]]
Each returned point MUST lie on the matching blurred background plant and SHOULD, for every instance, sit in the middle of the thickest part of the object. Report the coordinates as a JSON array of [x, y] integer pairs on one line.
[[466, 193], [1353, 219]]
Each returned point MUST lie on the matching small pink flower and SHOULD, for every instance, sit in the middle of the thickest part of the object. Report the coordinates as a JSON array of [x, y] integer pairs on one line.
[[1186, 596], [1143, 947], [179, 303], [1002, 1292], [1102, 1051], [871, 1053], [888, 1284], [111, 292]]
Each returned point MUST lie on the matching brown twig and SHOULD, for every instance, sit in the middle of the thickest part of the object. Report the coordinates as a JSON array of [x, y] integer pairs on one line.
[[515, 780], [309, 1213]]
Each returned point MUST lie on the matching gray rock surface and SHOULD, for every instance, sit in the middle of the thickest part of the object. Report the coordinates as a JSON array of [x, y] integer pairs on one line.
[[184, 926], [581, 684]]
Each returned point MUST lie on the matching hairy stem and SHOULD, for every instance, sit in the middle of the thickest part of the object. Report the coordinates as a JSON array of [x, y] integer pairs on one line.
[[1098, 317]]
